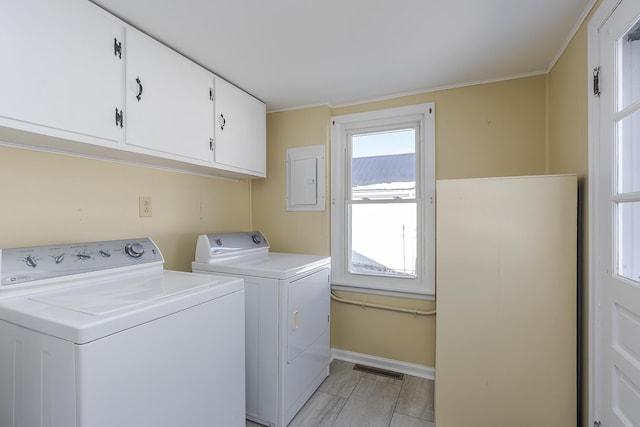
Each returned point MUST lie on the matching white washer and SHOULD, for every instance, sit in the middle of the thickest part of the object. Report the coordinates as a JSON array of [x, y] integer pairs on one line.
[[99, 335], [287, 320]]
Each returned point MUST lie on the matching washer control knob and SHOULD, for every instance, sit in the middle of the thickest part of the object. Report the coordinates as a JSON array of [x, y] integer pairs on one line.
[[134, 250], [31, 261], [257, 239], [82, 256]]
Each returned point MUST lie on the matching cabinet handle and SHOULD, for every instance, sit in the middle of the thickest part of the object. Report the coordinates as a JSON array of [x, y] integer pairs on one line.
[[222, 121], [139, 95]]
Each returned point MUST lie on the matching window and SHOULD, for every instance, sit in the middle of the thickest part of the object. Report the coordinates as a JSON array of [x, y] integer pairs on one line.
[[382, 210], [627, 135]]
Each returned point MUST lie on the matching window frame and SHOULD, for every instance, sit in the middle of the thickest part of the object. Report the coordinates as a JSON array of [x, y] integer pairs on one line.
[[343, 126]]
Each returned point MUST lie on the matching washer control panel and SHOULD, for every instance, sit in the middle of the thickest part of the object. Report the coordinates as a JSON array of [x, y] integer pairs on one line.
[[20, 265]]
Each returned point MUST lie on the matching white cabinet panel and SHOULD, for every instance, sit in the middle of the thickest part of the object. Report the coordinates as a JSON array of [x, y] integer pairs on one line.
[[240, 130], [506, 298], [173, 115], [59, 71]]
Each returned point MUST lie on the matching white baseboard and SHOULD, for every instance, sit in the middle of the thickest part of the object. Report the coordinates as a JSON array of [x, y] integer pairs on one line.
[[420, 371]]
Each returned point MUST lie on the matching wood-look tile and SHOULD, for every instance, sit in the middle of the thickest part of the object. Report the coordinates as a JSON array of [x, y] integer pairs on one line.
[[321, 410], [401, 420], [416, 398], [371, 404], [342, 379], [383, 379], [349, 398]]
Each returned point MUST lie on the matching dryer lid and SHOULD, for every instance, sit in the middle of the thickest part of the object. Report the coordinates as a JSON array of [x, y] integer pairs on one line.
[[272, 265]]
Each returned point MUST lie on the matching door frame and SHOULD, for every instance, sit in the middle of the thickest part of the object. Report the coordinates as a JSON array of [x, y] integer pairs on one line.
[[596, 22]]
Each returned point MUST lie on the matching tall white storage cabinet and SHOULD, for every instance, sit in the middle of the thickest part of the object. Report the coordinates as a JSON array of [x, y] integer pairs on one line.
[[506, 326]]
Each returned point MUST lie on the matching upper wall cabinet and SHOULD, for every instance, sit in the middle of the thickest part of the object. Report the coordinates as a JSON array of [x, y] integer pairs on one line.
[[240, 130], [169, 102], [61, 71], [76, 79]]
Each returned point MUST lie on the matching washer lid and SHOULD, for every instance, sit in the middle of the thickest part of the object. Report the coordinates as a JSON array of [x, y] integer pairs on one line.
[[100, 299], [274, 265], [96, 309]]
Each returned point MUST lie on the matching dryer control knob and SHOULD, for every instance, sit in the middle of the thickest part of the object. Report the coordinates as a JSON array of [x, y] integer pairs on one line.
[[134, 250], [257, 239]]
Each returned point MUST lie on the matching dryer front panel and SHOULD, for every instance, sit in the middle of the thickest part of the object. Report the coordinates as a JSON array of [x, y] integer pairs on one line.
[[308, 312]]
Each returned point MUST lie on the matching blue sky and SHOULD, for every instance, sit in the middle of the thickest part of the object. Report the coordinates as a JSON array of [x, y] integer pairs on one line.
[[386, 143]]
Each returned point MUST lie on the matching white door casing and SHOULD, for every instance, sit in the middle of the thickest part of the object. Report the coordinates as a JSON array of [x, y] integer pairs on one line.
[[614, 152]]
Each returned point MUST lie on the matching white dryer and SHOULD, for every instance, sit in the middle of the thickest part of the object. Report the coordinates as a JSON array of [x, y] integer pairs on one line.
[[287, 320], [98, 334]]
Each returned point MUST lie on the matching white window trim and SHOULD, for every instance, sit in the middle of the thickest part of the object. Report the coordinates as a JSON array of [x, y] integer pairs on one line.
[[423, 287]]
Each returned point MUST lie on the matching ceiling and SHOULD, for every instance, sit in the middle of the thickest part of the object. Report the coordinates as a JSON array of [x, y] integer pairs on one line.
[[300, 53]]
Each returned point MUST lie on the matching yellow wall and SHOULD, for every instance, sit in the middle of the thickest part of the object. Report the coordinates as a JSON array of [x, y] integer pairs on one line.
[[568, 89], [495, 129], [49, 198], [296, 232]]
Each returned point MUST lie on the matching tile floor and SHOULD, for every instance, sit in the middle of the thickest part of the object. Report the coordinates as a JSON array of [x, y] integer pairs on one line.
[[358, 399]]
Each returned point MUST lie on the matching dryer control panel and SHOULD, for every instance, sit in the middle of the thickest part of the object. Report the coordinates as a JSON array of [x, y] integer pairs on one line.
[[219, 246], [21, 265]]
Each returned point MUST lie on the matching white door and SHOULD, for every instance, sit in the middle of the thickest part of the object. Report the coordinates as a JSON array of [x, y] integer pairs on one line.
[[60, 71], [169, 106], [617, 252], [240, 124]]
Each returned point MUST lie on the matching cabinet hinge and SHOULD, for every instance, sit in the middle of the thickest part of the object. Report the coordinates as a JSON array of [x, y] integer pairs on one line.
[[211, 144], [117, 48], [596, 81], [597, 424], [211, 94], [119, 117]]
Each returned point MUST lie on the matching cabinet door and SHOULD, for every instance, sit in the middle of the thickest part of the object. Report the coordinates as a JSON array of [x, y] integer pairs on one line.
[[169, 105], [240, 142], [506, 300], [59, 72]]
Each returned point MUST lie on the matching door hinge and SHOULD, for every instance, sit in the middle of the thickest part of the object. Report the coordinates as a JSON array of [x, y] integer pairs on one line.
[[597, 424], [211, 94], [119, 117], [117, 48], [596, 81], [211, 144]]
